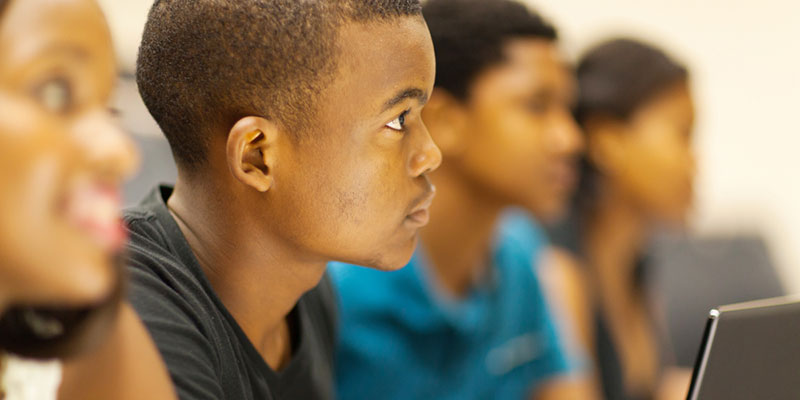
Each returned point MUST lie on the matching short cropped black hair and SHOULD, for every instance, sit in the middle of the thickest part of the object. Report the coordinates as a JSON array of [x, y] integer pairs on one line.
[[470, 36], [619, 75], [204, 64]]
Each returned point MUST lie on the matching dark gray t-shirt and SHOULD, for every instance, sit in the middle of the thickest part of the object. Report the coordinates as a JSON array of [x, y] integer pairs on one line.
[[207, 353]]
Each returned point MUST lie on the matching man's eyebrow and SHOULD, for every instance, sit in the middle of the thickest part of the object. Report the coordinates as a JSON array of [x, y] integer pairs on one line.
[[410, 93]]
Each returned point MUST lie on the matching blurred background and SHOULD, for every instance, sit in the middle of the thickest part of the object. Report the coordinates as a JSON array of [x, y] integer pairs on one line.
[[745, 63], [744, 59]]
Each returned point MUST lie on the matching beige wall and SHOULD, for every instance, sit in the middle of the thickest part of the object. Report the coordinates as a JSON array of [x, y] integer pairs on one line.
[[745, 58], [126, 18]]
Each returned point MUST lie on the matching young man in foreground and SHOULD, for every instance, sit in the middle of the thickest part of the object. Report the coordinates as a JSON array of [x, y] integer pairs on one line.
[[467, 318], [297, 131]]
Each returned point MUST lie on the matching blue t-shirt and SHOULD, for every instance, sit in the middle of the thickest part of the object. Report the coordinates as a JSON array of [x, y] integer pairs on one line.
[[401, 338]]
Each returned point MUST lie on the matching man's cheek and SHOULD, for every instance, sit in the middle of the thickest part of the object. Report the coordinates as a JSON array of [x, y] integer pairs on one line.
[[352, 202]]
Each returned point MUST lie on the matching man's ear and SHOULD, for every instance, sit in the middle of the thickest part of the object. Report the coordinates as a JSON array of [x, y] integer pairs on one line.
[[250, 151], [446, 119]]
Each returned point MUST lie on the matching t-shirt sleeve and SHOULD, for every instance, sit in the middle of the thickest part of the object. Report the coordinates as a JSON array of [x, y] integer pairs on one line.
[[563, 360], [525, 243], [564, 326], [555, 355], [187, 352]]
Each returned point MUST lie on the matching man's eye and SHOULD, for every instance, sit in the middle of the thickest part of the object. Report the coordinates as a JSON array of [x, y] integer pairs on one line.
[[55, 95], [398, 123]]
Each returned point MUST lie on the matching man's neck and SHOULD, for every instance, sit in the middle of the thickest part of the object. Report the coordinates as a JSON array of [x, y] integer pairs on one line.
[[259, 279], [458, 238]]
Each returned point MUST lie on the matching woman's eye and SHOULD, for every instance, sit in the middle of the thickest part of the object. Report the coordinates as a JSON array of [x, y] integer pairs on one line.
[[538, 107], [55, 95], [398, 123]]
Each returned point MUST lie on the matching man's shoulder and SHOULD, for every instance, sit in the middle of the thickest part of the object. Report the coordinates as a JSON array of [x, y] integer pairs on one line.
[[169, 297], [519, 231], [149, 237], [155, 242], [161, 280], [144, 230], [139, 217], [148, 247]]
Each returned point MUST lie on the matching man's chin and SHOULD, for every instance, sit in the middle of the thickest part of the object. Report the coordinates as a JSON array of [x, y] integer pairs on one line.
[[397, 263], [392, 259]]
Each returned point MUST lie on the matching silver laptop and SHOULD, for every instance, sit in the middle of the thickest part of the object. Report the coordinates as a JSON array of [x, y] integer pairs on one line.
[[750, 351]]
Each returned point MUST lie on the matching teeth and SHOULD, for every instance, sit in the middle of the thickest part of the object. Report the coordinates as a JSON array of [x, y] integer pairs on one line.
[[95, 209]]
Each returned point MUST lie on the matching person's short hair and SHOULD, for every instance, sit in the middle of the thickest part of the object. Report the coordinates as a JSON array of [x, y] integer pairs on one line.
[[3, 4], [470, 35], [619, 75], [205, 64]]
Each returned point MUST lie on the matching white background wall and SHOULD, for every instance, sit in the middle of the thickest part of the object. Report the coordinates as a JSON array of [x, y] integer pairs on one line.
[[745, 60]]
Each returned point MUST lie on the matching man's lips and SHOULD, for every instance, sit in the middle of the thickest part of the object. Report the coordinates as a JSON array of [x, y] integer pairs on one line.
[[94, 208], [419, 215]]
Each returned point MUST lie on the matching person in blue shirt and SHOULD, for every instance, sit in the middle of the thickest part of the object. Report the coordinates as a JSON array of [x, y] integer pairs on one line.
[[466, 318]]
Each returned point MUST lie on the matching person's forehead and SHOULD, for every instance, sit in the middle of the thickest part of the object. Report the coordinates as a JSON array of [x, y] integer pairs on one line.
[[531, 50], [540, 59], [378, 59], [72, 27], [529, 64], [407, 33], [675, 101]]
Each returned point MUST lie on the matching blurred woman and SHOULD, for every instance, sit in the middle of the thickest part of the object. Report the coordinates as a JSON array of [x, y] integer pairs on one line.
[[637, 114], [62, 159]]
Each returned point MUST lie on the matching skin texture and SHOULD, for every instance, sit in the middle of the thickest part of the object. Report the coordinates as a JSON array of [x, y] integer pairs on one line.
[[270, 211], [59, 147], [512, 142], [60, 150]]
